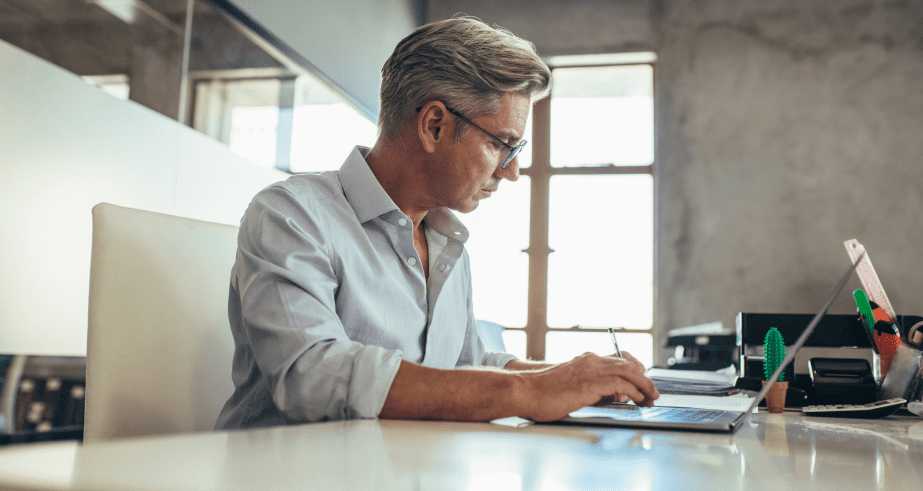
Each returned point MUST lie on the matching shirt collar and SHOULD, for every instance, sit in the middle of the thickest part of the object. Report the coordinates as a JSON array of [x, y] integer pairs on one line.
[[362, 190], [369, 199], [444, 222]]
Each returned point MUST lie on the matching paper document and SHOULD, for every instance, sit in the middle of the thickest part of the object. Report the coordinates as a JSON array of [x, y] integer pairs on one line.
[[739, 402], [699, 375], [513, 421], [693, 382]]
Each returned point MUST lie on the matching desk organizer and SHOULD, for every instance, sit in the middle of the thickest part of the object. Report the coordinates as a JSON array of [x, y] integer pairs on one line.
[[905, 377], [833, 331]]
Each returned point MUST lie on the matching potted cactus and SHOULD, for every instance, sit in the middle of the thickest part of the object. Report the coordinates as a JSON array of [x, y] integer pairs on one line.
[[773, 354]]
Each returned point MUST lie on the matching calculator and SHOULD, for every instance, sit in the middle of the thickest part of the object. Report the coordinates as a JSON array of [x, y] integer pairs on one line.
[[872, 410]]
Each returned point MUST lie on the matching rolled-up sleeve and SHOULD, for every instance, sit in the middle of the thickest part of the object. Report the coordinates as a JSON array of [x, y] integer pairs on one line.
[[287, 285]]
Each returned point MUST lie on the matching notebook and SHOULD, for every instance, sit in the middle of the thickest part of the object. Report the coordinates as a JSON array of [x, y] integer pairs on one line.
[[693, 419]]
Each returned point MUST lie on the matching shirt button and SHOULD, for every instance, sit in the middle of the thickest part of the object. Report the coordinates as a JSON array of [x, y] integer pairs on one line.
[[443, 267], [411, 261], [402, 222]]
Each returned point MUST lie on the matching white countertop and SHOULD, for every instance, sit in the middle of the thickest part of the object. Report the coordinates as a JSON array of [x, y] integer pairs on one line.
[[788, 451]]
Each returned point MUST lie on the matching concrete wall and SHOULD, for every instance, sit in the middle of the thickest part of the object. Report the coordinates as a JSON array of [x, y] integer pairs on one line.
[[784, 128], [65, 146], [562, 27]]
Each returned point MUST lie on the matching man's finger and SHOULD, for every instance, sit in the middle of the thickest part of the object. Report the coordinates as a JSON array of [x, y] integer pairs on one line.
[[628, 356], [632, 376]]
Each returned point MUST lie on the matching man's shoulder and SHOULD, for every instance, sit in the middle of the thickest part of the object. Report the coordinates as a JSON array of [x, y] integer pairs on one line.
[[303, 196], [310, 187]]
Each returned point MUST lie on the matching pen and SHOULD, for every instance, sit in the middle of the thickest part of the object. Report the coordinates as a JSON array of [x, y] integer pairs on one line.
[[615, 343]]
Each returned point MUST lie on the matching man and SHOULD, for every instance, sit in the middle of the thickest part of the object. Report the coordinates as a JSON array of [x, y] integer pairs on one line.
[[351, 293]]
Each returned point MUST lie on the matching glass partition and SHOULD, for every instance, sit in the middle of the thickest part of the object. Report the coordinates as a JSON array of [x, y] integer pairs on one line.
[[192, 61]]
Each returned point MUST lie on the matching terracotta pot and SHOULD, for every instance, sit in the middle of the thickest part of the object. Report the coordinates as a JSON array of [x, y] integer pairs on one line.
[[775, 398]]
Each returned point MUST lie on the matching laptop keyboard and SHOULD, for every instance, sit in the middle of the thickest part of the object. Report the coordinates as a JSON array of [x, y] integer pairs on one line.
[[669, 414], [695, 416], [661, 416]]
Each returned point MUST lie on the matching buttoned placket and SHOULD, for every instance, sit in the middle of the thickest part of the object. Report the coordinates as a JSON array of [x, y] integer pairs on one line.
[[441, 264], [446, 251], [411, 258]]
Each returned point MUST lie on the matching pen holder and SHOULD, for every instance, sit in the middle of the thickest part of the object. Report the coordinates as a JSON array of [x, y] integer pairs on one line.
[[904, 378], [887, 347]]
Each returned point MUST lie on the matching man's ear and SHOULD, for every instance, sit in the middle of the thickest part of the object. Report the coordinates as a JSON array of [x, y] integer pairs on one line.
[[432, 125]]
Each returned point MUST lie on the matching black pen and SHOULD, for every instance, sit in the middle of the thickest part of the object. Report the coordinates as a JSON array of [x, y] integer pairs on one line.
[[615, 343]]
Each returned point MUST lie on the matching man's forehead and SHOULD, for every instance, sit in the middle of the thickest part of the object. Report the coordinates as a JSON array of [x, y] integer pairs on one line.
[[514, 111]]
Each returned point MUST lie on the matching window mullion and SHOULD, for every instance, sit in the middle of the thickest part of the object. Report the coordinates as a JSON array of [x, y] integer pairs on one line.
[[540, 176]]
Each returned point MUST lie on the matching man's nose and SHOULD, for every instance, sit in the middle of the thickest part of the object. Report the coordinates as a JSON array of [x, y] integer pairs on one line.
[[511, 173]]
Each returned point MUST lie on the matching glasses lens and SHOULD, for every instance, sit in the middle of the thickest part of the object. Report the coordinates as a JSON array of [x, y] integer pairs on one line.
[[512, 154]]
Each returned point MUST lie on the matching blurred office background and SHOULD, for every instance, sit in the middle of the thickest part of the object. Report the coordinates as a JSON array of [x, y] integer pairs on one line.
[[696, 158]]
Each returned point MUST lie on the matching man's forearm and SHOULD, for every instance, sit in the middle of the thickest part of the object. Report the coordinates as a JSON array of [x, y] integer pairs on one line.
[[536, 392], [463, 394], [527, 365], [419, 392]]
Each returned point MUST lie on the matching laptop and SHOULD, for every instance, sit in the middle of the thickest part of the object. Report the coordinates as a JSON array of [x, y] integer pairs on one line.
[[692, 419]]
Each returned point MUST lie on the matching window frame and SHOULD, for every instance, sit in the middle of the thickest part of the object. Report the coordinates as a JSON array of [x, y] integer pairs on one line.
[[540, 173]]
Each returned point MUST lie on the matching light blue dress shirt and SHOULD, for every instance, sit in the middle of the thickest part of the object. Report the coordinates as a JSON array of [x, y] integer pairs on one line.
[[328, 296]]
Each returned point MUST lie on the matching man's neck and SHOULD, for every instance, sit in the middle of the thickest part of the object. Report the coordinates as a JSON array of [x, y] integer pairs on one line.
[[399, 170]]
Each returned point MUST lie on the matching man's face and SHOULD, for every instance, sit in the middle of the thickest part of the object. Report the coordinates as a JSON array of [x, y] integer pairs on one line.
[[471, 171]]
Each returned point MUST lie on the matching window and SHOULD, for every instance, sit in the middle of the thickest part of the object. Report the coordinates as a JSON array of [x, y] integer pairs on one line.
[[244, 113], [266, 107], [117, 86], [294, 123], [566, 252]]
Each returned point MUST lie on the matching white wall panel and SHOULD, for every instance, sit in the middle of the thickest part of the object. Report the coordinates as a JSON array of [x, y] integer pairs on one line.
[[65, 146]]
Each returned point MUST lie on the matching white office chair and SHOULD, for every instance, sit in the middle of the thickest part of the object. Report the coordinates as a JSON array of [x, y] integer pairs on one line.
[[159, 346]]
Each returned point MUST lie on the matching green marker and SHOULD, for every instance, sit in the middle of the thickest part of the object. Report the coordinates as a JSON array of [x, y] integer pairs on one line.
[[865, 308]]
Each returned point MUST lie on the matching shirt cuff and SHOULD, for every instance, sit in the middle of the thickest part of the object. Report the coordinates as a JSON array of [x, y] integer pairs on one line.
[[497, 359], [367, 399]]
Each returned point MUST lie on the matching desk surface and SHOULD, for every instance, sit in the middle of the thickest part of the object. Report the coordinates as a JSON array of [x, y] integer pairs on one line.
[[787, 451]]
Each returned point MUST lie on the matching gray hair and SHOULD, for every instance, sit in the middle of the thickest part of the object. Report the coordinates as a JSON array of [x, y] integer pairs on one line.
[[462, 62]]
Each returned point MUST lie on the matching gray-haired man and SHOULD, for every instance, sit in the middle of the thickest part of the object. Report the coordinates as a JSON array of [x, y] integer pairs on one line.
[[351, 294]]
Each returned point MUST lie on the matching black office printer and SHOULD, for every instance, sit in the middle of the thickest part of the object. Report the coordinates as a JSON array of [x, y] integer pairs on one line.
[[833, 379], [702, 347]]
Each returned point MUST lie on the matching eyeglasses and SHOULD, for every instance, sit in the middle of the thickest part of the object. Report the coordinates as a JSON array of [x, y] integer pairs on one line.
[[512, 151]]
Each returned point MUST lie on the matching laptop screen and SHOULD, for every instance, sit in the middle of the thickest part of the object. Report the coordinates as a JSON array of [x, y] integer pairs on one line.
[[793, 350]]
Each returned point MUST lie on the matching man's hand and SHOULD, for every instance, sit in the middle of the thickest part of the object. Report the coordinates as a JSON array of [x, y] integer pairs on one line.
[[537, 391], [634, 361], [616, 397], [588, 379]]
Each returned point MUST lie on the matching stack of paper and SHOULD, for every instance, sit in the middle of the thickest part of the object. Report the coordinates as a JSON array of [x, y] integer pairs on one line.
[[692, 382]]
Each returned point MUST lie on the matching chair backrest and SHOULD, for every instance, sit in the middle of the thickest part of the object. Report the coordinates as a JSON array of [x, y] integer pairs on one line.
[[159, 346]]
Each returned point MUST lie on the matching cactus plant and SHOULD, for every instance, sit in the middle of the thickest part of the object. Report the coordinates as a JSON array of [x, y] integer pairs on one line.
[[773, 352]]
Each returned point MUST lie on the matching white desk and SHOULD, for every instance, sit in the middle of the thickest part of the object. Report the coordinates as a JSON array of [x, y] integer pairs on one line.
[[770, 452]]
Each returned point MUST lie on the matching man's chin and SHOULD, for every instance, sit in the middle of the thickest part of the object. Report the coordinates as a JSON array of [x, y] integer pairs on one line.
[[467, 207]]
